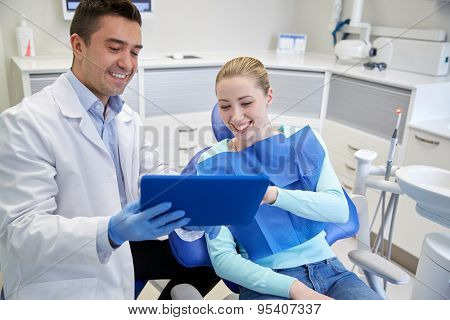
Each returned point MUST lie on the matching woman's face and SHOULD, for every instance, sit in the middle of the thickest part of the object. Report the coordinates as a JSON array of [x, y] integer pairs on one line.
[[243, 107]]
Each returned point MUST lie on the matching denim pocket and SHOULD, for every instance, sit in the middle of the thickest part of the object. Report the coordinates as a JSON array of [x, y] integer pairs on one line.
[[336, 265]]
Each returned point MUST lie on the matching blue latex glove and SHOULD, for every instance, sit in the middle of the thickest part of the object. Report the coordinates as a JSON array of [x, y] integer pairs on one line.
[[212, 231], [131, 224]]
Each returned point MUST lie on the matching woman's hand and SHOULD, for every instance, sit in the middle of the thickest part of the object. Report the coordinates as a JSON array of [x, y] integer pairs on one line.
[[271, 195], [299, 291]]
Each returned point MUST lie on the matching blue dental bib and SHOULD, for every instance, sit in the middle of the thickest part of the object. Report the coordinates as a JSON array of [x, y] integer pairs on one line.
[[292, 163]]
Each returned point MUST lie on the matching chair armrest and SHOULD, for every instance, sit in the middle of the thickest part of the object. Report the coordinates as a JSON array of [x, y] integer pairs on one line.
[[185, 292], [379, 266]]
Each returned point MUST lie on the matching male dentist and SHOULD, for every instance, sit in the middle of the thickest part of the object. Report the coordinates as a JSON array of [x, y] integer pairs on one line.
[[70, 161]]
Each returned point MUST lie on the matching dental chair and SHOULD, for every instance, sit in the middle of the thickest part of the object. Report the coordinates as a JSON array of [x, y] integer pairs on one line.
[[195, 253]]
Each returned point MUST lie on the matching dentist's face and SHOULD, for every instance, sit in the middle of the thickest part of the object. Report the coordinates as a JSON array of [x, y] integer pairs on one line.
[[110, 60], [243, 107]]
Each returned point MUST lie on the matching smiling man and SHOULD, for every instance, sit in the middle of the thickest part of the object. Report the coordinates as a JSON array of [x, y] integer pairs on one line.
[[70, 160], [105, 60]]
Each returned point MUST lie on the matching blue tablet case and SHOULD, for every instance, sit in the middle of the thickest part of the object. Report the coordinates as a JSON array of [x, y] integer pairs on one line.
[[207, 200]]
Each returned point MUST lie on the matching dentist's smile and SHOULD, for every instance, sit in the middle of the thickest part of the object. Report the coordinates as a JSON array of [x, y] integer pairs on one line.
[[119, 75]]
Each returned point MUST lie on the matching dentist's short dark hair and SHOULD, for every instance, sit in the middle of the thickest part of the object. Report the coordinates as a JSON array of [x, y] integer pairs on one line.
[[88, 13]]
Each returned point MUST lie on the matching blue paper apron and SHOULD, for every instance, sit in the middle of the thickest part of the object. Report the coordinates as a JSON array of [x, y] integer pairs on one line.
[[292, 163]]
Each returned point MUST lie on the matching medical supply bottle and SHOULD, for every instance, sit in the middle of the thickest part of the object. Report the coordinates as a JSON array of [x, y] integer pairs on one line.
[[25, 41]]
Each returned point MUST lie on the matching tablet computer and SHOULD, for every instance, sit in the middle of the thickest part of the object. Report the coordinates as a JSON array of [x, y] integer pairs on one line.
[[207, 200]]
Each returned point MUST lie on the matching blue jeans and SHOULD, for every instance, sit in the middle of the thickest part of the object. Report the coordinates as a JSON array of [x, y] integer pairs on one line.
[[328, 277]]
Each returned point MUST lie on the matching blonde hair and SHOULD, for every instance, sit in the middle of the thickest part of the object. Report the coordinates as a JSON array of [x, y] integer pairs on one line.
[[245, 67]]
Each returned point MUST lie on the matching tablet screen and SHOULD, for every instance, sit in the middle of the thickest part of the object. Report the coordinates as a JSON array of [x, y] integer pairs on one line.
[[207, 200]]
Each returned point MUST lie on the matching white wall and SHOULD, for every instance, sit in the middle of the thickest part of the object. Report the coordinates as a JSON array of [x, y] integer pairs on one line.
[[314, 18], [211, 25], [218, 24], [178, 25]]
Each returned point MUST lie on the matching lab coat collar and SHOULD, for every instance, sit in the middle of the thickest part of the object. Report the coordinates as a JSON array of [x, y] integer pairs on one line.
[[67, 99], [86, 97], [70, 105]]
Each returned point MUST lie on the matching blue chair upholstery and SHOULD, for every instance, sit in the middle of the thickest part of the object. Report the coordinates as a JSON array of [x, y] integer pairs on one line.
[[195, 253], [189, 254], [219, 128], [190, 168], [138, 287]]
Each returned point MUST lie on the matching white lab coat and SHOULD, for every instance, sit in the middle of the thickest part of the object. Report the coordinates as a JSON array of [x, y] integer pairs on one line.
[[58, 182]]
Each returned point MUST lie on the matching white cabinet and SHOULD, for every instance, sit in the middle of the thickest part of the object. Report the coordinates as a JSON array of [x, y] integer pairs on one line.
[[427, 149], [342, 142], [298, 97], [178, 137], [361, 115], [179, 90], [38, 81], [367, 106], [177, 112], [296, 93]]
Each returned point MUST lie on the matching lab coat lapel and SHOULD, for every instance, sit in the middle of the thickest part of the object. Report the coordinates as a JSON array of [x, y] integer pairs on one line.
[[126, 145], [89, 131], [71, 107]]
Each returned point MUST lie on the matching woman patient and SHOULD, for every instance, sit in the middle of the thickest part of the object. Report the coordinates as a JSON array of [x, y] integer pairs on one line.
[[283, 253]]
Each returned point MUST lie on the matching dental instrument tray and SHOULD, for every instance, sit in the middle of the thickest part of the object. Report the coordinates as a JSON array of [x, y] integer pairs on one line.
[[207, 200]]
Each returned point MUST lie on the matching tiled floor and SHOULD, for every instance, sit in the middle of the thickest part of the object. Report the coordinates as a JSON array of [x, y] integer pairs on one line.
[[341, 248]]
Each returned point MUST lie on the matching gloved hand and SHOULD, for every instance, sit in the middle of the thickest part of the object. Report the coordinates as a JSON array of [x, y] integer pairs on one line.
[[131, 224], [212, 231]]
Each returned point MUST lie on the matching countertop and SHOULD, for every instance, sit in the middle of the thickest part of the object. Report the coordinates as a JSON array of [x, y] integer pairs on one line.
[[309, 62]]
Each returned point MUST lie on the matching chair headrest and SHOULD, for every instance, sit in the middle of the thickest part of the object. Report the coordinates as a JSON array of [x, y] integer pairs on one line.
[[221, 132]]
